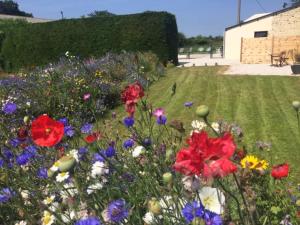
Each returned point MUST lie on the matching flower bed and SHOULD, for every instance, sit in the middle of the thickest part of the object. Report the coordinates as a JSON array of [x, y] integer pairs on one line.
[[56, 173]]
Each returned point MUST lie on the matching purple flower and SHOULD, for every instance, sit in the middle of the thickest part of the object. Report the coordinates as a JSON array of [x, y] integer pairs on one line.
[[9, 108], [83, 150], [64, 121], [161, 120], [98, 157], [159, 112], [69, 131], [128, 143], [86, 128], [117, 211], [147, 142], [110, 152], [42, 173], [31, 150], [23, 159], [192, 210], [188, 104], [212, 218], [86, 96], [5, 195], [15, 142], [8, 154], [128, 122], [88, 221], [1, 163]]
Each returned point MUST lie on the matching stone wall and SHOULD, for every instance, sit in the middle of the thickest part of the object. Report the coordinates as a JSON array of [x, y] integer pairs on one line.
[[286, 23], [259, 50]]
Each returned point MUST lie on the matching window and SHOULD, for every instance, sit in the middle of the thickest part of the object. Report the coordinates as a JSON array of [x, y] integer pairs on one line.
[[258, 34]]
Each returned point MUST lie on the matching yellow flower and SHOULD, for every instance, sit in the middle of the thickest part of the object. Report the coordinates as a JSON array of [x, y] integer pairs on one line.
[[250, 162], [48, 218], [262, 165]]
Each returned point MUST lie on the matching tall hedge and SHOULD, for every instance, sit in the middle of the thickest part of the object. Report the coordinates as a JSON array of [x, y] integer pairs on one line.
[[39, 44]]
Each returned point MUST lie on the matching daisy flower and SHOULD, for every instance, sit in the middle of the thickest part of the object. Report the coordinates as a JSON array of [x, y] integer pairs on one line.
[[250, 162], [48, 218], [62, 176], [212, 199]]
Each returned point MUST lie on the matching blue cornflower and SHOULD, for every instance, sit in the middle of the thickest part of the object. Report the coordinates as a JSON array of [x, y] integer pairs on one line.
[[42, 173], [31, 150], [128, 143], [192, 210], [64, 121], [110, 152], [188, 104], [1, 163], [69, 131], [14, 142], [161, 120], [8, 154], [117, 211], [88, 221], [128, 121], [23, 159], [212, 218], [9, 108], [98, 157], [5, 195], [86, 128]]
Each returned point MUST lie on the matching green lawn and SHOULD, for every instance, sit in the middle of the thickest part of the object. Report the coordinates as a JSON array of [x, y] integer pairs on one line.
[[261, 105]]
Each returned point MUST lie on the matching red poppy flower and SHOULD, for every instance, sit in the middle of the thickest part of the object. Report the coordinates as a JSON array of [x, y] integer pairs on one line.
[[130, 95], [46, 132], [206, 156], [92, 137], [280, 171]]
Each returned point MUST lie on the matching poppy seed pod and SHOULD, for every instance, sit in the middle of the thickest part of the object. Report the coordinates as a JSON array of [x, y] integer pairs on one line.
[[154, 206], [296, 105], [167, 178], [66, 163], [202, 111]]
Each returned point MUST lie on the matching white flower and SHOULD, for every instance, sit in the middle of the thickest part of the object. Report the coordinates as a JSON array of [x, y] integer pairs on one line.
[[49, 200], [67, 217], [55, 167], [94, 187], [149, 218], [198, 125], [22, 222], [68, 191], [212, 199], [138, 151], [216, 126], [75, 154], [48, 218], [62, 176], [98, 169]]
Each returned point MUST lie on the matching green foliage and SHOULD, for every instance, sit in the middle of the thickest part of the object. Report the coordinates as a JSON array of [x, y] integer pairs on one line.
[[9, 7], [39, 44], [103, 13]]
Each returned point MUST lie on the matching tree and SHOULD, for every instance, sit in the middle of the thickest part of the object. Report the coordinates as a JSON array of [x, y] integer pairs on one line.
[[10, 7], [295, 2], [103, 13], [181, 40]]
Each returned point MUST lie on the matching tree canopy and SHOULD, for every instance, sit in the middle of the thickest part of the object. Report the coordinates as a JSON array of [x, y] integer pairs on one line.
[[103, 13], [10, 7]]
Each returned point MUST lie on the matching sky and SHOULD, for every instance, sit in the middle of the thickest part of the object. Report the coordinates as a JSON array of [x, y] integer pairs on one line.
[[194, 17]]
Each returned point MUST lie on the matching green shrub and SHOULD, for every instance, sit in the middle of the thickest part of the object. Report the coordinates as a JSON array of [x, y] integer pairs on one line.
[[39, 44]]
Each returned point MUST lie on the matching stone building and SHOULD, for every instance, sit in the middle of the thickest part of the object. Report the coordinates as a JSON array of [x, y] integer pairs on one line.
[[261, 36], [28, 19]]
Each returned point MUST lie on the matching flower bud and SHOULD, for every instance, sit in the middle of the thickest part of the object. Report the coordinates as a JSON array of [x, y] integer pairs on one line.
[[26, 119], [202, 111], [66, 163], [296, 105], [167, 178], [169, 154], [50, 173], [154, 206]]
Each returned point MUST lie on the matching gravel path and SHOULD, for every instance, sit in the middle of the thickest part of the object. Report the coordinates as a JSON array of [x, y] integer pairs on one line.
[[235, 67]]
